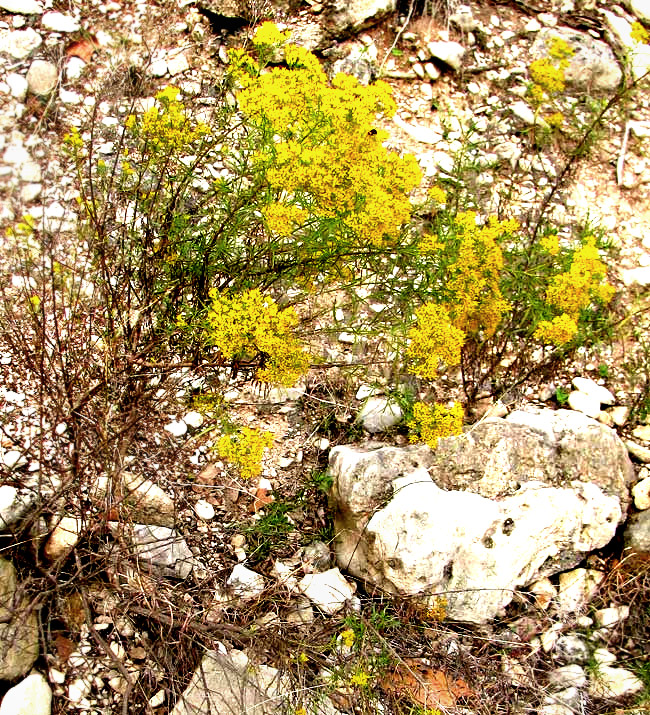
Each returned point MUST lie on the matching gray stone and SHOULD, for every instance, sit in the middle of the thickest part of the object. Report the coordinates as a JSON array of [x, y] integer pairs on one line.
[[354, 15], [245, 584], [23, 7], [316, 557], [358, 65], [566, 676], [32, 696], [328, 590], [637, 533], [135, 499], [20, 43], [464, 19], [419, 133], [7, 590], [14, 505], [379, 414], [497, 508], [569, 698], [42, 77], [163, 548], [451, 53], [58, 22], [593, 65], [231, 684], [18, 643], [572, 648]]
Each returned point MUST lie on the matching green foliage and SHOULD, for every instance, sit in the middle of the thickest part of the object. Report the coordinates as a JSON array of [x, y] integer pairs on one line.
[[562, 396]]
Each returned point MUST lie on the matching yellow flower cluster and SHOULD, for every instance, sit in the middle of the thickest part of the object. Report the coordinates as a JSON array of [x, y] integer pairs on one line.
[[550, 243], [245, 449], [166, 126], [548, 73], [434, 339], [360, 679], [639, 34], [558, 331], [283, 218], [573, 291], [347, 637], [269, 34], [250, 326], [429, 424], [327, 155], [477, 302], [437, 609]]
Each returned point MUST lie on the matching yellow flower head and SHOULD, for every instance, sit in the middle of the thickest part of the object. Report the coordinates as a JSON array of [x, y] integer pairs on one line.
[[551, 244], [268, 33]]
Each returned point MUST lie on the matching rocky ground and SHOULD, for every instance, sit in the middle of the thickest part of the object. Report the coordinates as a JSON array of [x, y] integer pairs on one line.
[[190, 560]]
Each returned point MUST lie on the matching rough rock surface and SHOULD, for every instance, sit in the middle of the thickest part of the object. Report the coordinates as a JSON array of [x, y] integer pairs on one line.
[[499, 507], [32, 696], [231, 684]]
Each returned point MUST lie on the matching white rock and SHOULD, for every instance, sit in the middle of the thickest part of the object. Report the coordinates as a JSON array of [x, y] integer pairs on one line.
[[567, 676], [638, 55], [68, 97], [15, 154], [642, 432], [244, 583], [379, 414], [204, 510], [544, 592], [58, 22], [42, 77], [78, 689], [525, 112], [24, 7], [157, 700], [532, 26], [63, 538], [176, 428], [21, 43], [13, 459], [431, 71], [177, 63], [585, 403], [604, 657], [577, 588], [641, 494], [608, 682], [30, 192], [17, 84], [158, 68], [451, 53], [419, 133], [636, 450], [590, 387], [193, 419], [74, 68], [30, 172], [607, 617], [365, 391], [639, 276], [32, 696], [328, 590], [619, 414], [641, 9]]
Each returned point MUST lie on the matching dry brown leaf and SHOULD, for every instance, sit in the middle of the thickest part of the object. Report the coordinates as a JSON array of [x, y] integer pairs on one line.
[[262, 498], [84, 49], [425, 685]]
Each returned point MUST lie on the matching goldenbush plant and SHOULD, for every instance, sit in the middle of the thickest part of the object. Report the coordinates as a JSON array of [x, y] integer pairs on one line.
[[213, 237]]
